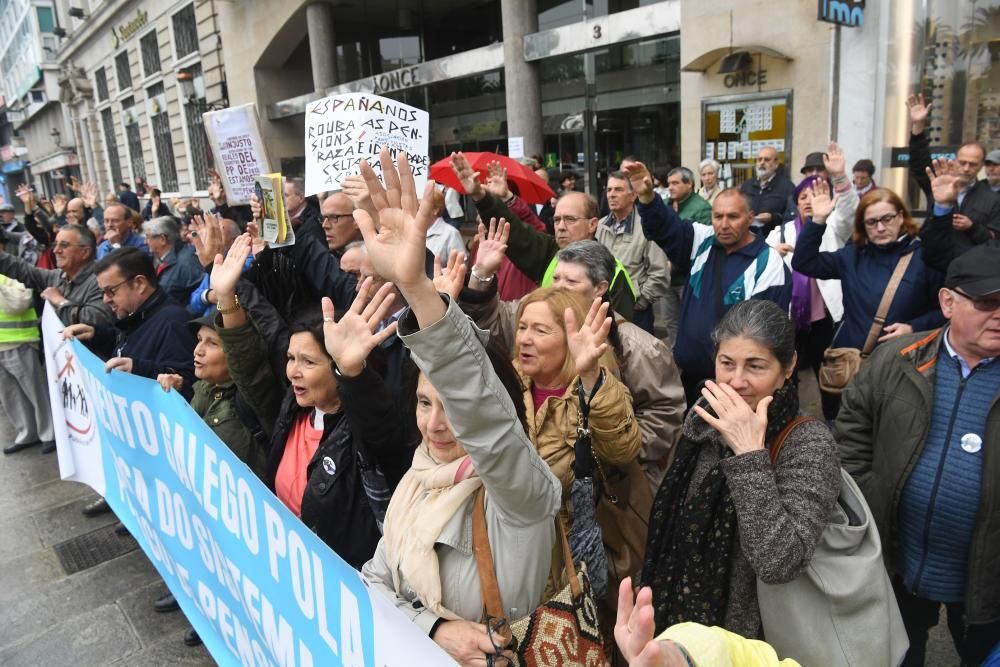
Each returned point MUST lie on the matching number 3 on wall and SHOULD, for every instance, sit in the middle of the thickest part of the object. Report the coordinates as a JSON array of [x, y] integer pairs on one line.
[[597, 32]]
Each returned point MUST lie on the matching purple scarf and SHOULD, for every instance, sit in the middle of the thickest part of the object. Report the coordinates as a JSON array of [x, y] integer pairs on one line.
[[801, 285]]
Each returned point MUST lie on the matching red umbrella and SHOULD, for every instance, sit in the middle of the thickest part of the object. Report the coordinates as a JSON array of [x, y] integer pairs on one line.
[[528, 185]]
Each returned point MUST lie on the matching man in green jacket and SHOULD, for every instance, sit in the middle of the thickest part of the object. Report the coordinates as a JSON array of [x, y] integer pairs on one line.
[[688, 203], [534, 252], [919, 429]]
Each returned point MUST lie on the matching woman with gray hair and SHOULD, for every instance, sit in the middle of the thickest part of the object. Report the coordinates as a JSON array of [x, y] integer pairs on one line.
[[709, 171], [727, 515]]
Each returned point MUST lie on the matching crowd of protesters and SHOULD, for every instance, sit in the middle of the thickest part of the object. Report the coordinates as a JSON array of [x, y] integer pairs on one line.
[[398, 386]]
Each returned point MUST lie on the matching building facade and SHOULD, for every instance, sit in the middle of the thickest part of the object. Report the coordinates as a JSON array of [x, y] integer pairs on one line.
[[586, 82], [134, 78], [30, 91]]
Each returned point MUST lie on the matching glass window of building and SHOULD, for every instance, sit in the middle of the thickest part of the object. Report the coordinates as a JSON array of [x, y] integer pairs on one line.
[[46, 19], [162, 138], [196, 129], [124, 71], [101, 80], [149, 47], [556, 13], [630, 95], [947, 49], [185, 31], [467, 114], [132, 138], [111, 145]]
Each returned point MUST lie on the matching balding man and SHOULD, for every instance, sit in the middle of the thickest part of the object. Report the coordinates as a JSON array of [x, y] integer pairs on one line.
[[727, 264], [534, 252], [769, 192], [71, 288], [119, 231]]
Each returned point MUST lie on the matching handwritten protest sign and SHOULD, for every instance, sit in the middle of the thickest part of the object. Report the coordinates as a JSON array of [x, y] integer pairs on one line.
[[343, 130], [238, 149], [258, 586]]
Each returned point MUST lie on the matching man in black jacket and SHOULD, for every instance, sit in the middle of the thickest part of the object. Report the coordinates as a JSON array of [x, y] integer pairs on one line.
[[977, 218], [151, 335], [769, 193]]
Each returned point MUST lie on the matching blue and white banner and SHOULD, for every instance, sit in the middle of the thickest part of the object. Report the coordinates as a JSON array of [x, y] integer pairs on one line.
[[259, 587]]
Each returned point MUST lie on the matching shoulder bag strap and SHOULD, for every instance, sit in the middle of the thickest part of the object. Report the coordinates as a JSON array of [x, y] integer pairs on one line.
[[779, 441], [488, 585], [883, 306]]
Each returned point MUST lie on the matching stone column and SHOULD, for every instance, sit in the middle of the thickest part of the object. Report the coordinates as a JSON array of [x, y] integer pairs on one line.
[[521, 85], [322, 48]]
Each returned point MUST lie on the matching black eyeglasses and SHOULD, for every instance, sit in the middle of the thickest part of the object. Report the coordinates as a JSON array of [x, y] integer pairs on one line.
[[337, 217], [982, 305], [883, 220], [110, 291]]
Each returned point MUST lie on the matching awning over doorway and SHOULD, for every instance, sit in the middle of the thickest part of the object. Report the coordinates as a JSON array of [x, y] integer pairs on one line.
[[709, 58]]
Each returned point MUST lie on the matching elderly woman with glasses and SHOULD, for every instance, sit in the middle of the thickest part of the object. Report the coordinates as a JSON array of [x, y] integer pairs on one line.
[[883, 234]]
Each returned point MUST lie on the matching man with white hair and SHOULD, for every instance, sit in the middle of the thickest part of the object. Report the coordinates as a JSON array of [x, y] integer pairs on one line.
[[178, 270]]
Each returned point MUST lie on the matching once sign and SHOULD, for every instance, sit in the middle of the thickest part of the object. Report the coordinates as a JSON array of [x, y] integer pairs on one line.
[[745, 78]]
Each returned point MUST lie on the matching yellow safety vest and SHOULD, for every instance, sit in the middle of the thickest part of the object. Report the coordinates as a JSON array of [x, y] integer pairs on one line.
[[21, 328], [620, 270]]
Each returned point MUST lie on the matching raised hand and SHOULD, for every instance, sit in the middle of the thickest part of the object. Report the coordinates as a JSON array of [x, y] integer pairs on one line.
[[89, 195], [947, 181], [216, 191], [635, 631], [451, 279], [398, 247], [354, 186], [74, 184], [822, 203], [467, 176], [257, 244], [26, 196], [208, 241], [741, 427], [351, 340], [492, 248], [642, 182], [496, 181], [834, 160], [920, 111], [589, 342], [226, 272], [59, 206]]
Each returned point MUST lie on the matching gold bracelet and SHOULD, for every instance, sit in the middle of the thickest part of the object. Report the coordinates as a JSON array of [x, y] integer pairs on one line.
[[232, 309]]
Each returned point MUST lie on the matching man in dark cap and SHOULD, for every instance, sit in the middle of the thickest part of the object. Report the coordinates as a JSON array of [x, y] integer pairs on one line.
[[919, 430]]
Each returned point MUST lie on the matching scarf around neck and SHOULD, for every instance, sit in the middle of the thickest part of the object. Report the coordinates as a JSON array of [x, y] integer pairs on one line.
[[694, 533], [426, 499]]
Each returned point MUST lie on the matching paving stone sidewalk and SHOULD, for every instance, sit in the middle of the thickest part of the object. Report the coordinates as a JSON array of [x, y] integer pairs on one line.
[[101, 615]]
